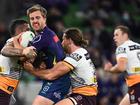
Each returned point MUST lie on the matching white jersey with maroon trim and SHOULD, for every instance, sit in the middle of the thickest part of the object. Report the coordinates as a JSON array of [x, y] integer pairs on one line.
[[131, 51], [83, 76]]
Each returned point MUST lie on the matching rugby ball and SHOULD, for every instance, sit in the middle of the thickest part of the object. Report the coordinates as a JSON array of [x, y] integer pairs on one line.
[[25, 38]]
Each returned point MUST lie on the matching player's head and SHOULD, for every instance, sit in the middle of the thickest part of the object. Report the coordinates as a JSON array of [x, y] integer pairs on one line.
[[121, 34], [17, 26], [73, 36], [37, 16]]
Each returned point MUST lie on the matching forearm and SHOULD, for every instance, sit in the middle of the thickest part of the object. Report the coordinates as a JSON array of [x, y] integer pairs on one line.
[[17, 44], [49, 74], [115, 69], [43, 74], [12, 52]]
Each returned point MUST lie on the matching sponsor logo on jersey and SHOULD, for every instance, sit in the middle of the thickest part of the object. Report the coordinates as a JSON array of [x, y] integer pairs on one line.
[[76, 56], [134, 47]]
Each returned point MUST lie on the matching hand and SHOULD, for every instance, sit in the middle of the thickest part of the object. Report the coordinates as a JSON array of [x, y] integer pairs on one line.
[[28, 66], [107, 66], [29, 52], [16, 41]]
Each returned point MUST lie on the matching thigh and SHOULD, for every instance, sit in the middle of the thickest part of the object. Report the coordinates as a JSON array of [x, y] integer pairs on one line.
[[54, 91], [39, 100], [78, 99], [4, 98], [125, 100], [66, 101]]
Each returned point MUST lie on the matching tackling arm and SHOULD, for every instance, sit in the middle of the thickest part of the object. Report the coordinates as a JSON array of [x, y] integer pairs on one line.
[[50, 74]]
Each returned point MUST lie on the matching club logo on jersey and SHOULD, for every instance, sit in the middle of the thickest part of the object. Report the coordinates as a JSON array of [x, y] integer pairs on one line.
[[76, 56], [10, 88], [36, 39], [121, 50]]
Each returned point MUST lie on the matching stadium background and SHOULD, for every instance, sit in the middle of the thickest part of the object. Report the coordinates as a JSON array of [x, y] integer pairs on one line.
[[96, 18]]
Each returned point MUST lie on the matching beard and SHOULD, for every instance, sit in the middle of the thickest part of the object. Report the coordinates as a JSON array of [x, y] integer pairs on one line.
[[66, 49]]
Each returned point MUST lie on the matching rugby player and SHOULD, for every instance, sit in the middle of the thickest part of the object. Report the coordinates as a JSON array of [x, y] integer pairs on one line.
[[10, 70], [47, 43], [80, 67], [128, 59]]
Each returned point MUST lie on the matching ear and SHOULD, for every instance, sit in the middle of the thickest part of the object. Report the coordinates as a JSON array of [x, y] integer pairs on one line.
[[70, 41], [126, 35]]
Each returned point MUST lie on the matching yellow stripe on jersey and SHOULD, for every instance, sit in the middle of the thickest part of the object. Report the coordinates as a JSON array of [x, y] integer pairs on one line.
[[7, 84], [54, 61], [86, 90], [68, 65]]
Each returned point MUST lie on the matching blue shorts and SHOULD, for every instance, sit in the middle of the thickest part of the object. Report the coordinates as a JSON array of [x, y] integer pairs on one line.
[[56, 90]]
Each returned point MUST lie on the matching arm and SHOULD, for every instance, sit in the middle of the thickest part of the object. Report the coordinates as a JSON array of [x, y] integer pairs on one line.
[[49, 74], [118, 68], [9, 50], [14, 49], [16, 42]]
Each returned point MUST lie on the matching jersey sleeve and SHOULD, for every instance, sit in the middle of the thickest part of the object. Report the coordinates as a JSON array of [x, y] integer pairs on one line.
[[121, 52], [73, 60]]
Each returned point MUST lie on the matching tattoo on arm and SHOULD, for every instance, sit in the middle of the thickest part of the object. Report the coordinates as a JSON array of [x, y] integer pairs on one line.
[[9, 51]]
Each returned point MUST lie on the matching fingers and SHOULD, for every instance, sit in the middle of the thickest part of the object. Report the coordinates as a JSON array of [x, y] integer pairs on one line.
[[27, 65], [107, 66], [29, 52]]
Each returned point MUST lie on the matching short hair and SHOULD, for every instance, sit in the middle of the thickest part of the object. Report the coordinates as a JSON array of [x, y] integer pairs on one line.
[[124, 29], [14, 24], [76, 36], [37, 7]]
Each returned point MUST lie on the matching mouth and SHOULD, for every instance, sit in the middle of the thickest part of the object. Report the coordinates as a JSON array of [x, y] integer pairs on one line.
[[35, 24], [115, 42]]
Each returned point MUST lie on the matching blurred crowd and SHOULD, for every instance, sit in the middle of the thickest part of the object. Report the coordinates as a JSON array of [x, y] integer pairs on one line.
[[96, 18]]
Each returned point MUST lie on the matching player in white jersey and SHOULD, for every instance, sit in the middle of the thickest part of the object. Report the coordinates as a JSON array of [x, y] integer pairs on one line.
[[10, 70], [128, 59], [80, 67]]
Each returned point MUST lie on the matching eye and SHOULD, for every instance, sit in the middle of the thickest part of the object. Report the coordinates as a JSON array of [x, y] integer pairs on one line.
[[37, 17], [32, 18]]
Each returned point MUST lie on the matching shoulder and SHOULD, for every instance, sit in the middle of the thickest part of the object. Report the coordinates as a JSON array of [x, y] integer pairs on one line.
[[48, 31], [75, 56], [121, 49], [78, 54]]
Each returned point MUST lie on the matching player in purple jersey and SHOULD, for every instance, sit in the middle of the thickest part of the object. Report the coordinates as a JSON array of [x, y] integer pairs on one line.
[[47, 43]]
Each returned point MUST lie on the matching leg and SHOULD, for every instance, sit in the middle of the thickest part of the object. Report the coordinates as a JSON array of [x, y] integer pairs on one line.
[[12, 100], [4, 98], [66, 101], [125, 100], [40, 100], [78, 99]]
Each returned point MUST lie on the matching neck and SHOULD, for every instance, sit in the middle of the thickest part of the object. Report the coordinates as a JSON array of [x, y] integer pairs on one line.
[[73, 48]]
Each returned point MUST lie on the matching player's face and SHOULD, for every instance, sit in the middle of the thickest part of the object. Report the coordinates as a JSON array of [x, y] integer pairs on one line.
[[65, 44], [38, 22], [118, 37]]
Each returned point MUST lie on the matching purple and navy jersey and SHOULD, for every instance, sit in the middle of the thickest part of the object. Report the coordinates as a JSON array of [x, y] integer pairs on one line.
[[48, 43]]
